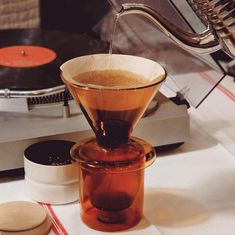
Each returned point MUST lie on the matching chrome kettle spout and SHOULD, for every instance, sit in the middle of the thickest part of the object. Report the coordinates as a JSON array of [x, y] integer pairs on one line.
[[201, 43]]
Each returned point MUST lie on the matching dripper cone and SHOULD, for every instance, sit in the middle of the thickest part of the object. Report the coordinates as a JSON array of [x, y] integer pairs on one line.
[[113, 108]]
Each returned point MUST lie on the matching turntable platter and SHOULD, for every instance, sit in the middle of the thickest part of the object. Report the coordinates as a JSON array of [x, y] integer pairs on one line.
[[65, 45]]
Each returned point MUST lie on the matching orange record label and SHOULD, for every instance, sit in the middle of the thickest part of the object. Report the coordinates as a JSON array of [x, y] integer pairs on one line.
[[24, 56]]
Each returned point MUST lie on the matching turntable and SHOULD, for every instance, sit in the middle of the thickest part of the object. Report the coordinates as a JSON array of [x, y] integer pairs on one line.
[[33, 99]]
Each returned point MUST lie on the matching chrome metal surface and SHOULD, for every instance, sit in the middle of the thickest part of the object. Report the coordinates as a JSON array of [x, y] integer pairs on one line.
[[7, 93], [220, 15], [218, 22]]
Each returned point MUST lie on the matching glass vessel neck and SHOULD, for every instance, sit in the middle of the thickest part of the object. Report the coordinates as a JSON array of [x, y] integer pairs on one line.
[[113, 140]]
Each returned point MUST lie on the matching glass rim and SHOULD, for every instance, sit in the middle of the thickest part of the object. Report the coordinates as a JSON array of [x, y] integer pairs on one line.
[[84, 86], [148, 157]]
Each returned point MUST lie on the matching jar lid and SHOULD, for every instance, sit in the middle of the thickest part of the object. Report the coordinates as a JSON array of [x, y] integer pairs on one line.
[[22, 217], [50, 152]]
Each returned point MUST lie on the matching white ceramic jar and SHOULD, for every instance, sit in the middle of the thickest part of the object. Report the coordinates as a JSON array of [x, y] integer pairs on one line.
[[50, 176]]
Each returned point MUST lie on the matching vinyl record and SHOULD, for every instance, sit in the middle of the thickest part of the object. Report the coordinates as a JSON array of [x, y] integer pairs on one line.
[[44, 74]]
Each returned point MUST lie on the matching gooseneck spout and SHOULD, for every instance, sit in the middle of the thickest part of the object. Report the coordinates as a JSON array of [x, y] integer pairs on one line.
[[201, 43]]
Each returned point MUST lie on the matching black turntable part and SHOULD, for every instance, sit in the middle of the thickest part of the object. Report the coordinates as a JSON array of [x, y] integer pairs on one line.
[[65, 45], [49, 99], [30, 78]]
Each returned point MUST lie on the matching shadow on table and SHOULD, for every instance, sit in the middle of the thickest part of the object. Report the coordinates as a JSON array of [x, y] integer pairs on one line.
[[140, 226], [173, 208]]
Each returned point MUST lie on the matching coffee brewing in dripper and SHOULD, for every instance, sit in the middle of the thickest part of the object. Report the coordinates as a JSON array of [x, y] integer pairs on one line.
[[113, 93]]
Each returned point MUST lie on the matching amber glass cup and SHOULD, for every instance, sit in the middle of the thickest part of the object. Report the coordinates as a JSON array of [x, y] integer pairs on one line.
[[111, 164]]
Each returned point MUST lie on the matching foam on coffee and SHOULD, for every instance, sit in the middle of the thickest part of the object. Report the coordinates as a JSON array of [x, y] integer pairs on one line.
[[111, 78]]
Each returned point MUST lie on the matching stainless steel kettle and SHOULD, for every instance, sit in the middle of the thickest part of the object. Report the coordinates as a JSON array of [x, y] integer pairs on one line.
[[217, 15]]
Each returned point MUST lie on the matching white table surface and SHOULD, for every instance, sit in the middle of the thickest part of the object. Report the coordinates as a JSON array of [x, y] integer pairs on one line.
[[188, 191]]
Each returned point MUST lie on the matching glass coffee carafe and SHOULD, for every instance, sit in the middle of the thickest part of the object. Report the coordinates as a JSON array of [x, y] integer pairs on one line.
[[113, 92]]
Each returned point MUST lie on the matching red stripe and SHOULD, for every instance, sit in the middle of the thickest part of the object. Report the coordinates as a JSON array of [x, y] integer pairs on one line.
[[60, 225], [227, 92], [223, 89], [54, 227]]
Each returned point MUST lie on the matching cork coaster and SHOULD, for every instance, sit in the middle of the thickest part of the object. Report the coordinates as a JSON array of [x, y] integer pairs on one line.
[[21, 216]]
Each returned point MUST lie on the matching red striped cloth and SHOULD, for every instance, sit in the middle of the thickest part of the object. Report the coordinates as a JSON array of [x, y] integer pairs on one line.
[[223, 89], [57, 227]]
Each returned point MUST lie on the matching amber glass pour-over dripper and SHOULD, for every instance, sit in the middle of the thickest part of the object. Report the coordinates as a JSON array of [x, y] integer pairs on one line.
[[111, 164]]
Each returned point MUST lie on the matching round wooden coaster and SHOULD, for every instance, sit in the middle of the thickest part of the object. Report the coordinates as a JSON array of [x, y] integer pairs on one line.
[[23, 216]]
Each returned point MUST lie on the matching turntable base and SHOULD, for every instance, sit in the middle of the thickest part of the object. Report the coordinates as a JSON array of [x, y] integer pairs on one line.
[[168, 125]]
